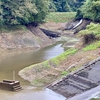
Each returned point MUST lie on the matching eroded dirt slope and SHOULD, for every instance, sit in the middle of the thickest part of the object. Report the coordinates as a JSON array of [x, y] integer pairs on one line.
[[23, 39]]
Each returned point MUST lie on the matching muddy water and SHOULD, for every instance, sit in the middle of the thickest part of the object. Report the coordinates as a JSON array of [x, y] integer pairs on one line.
[[16, 62]]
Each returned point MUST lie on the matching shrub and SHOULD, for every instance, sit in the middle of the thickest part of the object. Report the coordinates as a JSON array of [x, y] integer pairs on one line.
[[88, 38], [91, 33]]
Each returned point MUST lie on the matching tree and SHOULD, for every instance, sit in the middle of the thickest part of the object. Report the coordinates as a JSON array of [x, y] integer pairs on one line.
[[90, 10], [62, 5], [52, 7], [23, 11], [42, 8], [67, 5], [1, 17]]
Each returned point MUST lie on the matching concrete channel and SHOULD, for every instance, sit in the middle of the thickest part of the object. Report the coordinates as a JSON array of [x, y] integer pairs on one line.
[[82, 80]]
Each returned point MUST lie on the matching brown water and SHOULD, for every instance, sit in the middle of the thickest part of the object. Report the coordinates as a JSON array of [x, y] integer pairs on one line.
[[16, 62]]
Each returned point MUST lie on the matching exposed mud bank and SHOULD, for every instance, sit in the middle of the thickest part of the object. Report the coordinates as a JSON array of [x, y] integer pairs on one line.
[[49, 71], [23, 40], [33, 37], [44, 73]]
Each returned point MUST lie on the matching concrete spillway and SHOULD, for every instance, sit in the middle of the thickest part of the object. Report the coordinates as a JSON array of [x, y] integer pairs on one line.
[[80, 81]]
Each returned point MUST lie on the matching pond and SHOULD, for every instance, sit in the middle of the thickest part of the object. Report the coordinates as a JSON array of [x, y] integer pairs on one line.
[[16, 62]]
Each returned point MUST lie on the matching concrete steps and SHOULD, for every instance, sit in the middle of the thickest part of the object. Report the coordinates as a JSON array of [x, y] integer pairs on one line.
[[17, 88], [78, 85], [72, 85], [83, 81]]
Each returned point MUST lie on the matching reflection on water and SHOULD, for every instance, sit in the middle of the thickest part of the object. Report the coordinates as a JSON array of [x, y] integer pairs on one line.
[[24, 59], [50, 95], [19, 61]]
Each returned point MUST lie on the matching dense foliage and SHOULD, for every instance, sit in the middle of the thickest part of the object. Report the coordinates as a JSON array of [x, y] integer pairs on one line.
[[90, 10], [65, 5], [22, 11], [14, 12]]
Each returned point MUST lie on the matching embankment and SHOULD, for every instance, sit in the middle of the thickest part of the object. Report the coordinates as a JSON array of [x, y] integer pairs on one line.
[[46, 72], [51, 70], [23, 39]]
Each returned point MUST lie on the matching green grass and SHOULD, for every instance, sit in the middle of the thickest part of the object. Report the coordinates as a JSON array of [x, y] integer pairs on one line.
[[64, 73], [6, 28], [64, 55], [95, 30], [92, 46], [60, 16], [95, 99], [54, 62], [92, 28], [51, 62]]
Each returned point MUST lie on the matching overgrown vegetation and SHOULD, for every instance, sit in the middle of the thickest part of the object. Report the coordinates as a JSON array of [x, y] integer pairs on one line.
[[65, 5], [60, 16], [91, 36], [92, 28], [90, 10], [15, 12], [91, 33]]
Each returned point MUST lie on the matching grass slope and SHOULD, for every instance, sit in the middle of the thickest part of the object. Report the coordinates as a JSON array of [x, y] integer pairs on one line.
[[95, 30], [91, 29], [46, 68], [60, 16]]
